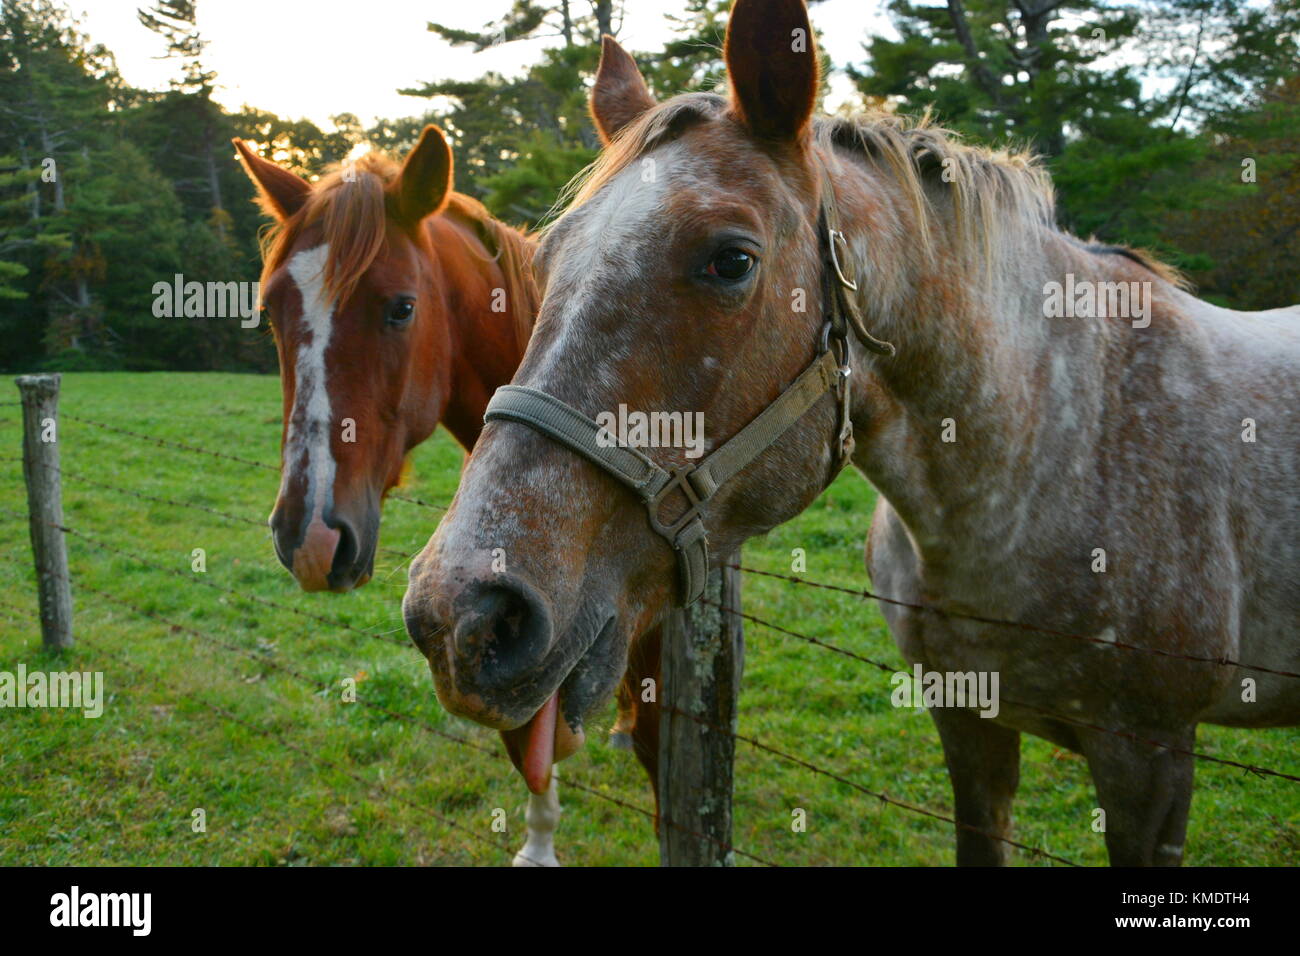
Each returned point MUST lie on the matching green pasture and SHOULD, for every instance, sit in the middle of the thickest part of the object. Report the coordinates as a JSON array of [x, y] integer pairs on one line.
[[295, 776]]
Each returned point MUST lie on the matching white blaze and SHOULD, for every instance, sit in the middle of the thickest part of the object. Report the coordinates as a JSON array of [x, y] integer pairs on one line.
[[309, 420]]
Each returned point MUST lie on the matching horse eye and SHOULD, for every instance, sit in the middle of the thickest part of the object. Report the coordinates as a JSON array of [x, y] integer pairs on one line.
[[731, 264], [401, 312]]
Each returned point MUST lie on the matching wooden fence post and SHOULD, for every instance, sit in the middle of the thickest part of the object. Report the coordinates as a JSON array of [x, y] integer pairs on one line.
[[40, 396], [702, 660]]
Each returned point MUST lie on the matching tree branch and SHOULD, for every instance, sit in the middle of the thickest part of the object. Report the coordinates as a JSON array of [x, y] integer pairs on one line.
[[1191, 70], [985, 77]]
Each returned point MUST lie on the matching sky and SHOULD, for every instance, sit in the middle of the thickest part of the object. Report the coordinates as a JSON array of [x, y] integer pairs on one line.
[[319, 58]]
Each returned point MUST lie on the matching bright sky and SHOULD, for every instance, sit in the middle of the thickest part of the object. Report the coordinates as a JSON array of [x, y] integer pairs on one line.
[[313, 59]]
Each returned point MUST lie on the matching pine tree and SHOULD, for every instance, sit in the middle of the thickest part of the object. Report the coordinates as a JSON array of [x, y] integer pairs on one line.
[[1114, 94], [517, 141], [195, 125], [55, 92]]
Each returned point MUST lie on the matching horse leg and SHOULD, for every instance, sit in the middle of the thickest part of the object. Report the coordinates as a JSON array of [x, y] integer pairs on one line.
[[984, 768], [542, 816], [983, 758], [620, 735], [642, 663], [1146, 793]]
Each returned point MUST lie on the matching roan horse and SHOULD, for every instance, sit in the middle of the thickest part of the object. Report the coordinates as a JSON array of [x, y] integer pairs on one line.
[[396, 303], [682, 289]]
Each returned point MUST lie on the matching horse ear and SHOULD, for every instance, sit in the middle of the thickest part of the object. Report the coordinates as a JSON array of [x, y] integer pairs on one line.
[[423, 185], [279, 191], [620, 94], [772, 67]]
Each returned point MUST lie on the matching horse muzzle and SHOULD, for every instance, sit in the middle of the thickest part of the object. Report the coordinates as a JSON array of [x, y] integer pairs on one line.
[[497, 658], [331, 553]]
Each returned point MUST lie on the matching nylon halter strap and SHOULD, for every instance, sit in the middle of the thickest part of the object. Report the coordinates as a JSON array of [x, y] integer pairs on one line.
[[697, 483]]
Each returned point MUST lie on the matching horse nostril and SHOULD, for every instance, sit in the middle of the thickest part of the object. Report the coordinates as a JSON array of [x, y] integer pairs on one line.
[[497, 612], [284, 556], [505, 630], [280, 538], [345, 555]]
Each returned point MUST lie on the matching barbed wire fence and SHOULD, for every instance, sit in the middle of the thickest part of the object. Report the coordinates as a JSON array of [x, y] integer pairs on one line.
[[706, 839], [1065, 718], [46, 413]]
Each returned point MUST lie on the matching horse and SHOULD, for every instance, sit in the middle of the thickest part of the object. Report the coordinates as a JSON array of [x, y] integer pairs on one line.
[[870, 290], [396, 303]]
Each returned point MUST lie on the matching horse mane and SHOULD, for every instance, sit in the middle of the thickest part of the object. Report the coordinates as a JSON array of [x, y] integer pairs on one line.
[[349, 204], [652, 128], [989, 190], [513, 251]]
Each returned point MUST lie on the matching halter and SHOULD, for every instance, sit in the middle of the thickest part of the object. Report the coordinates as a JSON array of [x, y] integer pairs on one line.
[[828, 372]]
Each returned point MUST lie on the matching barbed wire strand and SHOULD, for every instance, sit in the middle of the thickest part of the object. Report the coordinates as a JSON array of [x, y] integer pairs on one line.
[[1251, 768], [882, 797], [314, 758], [944, 612], [195, 449], [64, 473], [194, 579], [394, 714], [73, 476], [261, 659]]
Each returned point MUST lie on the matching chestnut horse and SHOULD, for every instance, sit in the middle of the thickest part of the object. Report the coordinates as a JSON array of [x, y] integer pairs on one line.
[[1009, 448], [396, 303]]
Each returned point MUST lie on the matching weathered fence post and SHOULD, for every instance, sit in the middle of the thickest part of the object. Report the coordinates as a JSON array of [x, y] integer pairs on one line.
[[702, 660], [40, 396]]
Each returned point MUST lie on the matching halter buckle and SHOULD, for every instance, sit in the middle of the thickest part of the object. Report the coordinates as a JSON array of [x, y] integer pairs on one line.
[[835, 235], [680, 480]]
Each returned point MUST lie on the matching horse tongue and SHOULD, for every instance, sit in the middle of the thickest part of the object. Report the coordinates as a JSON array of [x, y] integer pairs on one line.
[[532, 746]]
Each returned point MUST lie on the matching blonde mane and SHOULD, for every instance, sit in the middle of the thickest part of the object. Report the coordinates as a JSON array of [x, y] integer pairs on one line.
[[988, 190]]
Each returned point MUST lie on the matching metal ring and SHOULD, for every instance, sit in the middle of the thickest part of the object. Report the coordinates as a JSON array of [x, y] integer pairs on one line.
[[835, 260]]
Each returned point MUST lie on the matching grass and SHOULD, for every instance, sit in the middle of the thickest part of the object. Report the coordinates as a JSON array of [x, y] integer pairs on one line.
[[296, 776]]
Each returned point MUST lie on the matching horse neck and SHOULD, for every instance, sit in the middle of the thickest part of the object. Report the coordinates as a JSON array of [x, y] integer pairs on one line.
[[485, 340], [976, 359]]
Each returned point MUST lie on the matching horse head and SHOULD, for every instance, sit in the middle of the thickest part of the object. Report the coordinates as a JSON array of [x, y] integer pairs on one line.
[[685, 279], [358, 301]]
